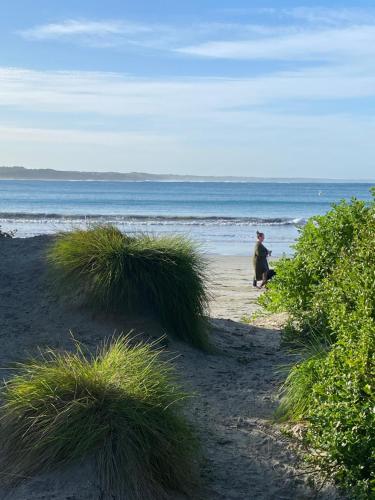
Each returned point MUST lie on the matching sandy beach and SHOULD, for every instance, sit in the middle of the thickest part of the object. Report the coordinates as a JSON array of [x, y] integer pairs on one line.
[[245, 454]]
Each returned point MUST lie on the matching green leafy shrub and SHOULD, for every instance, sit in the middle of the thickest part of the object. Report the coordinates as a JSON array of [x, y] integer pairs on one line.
[[321, 244], [115, 272], [341, 413], [334, 393], [122, 406], [342, 409], [333, 390]]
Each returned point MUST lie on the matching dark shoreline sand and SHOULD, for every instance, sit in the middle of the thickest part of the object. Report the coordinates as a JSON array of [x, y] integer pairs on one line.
[[246, 456]]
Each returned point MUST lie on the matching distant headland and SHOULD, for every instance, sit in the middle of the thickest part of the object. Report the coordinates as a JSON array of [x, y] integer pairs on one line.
[[49, 174]]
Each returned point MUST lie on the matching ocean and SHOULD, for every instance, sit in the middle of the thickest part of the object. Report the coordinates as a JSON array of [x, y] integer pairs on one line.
[[222, 216]]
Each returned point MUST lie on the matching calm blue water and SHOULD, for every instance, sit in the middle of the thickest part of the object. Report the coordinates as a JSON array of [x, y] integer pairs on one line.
[[222, 216]]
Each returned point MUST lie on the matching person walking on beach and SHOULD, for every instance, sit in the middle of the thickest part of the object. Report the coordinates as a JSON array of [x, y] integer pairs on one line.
[[261, 268]]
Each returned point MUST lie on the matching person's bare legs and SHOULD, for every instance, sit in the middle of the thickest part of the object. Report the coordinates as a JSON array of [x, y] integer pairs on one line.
[[264, 280]]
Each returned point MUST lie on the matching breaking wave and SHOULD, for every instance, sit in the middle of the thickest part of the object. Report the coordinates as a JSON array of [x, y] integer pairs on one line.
[[151, 219]]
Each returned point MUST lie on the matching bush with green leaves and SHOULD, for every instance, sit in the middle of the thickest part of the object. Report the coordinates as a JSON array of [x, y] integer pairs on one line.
[[322, 243], [121, 407], [335, 393], [341, 413], [114, 272]]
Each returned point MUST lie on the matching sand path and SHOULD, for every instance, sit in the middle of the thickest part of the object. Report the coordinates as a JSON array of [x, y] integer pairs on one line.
[[246, 456]]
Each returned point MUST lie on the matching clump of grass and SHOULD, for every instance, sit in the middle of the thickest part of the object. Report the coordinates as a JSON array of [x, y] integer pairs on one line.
[[117, 273], [296, 391], [123, 405]]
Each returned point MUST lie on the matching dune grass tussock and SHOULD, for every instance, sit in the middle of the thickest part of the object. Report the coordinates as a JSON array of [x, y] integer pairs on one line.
[[115, 272], [122, 405]]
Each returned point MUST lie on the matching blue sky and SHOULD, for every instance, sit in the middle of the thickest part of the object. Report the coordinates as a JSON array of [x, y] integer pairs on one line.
[[277, 89]]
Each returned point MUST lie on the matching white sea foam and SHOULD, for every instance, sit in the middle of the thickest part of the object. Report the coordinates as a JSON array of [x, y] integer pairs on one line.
[[133, 219]]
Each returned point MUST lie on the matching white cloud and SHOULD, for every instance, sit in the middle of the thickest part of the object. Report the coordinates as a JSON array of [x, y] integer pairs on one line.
[[163, 100], [167, 37], [332, 16], [293, 34], [315, 15], [77, 136], [332, 44], [72, 28], [121, 33]]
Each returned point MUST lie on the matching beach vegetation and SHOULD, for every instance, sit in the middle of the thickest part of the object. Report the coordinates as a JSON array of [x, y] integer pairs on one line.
[[321, 244], [122, 407], [114, 272], [333, 389], [296, 390]]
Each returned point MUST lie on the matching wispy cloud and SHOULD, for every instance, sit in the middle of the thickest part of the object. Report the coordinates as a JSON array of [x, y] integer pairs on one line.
[[104, 33], [79, 136], [74, 28], [114, 94], [331, 16], [316, 15], [304, 46], [294, 34], [120, 33], [299, 34]]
